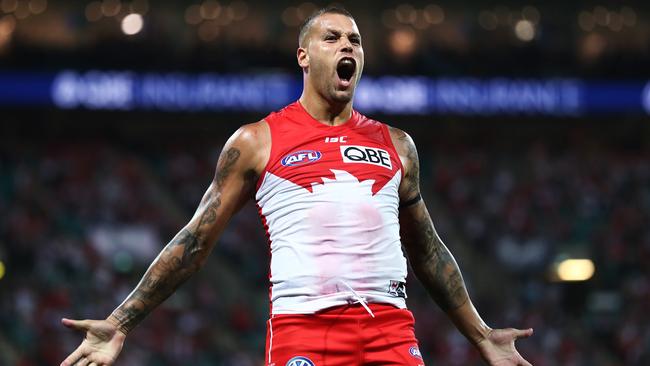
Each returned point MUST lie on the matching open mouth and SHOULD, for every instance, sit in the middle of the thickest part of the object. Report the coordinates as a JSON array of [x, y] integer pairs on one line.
[[346, 68]]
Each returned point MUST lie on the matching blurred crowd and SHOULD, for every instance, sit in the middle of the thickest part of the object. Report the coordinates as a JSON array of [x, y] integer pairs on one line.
[[82, 220], [554, 38], [525, 209]]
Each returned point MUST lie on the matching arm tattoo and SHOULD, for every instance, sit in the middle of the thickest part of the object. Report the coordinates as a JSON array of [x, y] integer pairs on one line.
[[411, 202], [412, 177], [181, 258], [224, 166], [432, 262]]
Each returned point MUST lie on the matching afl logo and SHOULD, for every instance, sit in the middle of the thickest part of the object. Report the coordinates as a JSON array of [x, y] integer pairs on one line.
[[301, 157], [300, 361]]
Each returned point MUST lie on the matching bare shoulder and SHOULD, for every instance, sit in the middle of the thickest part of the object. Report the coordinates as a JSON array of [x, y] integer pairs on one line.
[[405, 148], [254, 135], [401, 140], [252, 142], [409, 186]]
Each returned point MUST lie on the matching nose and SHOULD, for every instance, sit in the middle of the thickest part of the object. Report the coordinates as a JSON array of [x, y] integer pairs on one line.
[[347, 45]]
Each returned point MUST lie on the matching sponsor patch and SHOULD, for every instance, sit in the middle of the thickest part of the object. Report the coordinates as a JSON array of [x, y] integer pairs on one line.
[[366, 155], [415, 352], [301, 157], [397, 288], [300, 361]]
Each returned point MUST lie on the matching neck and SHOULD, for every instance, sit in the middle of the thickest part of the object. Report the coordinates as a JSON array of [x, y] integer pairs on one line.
[[325, 111]]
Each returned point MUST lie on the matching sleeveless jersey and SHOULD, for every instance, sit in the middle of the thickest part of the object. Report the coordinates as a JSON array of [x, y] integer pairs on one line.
[[328, 198]]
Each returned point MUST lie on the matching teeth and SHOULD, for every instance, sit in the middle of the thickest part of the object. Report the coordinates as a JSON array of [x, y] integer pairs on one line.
[[346, 68], [346, 62]]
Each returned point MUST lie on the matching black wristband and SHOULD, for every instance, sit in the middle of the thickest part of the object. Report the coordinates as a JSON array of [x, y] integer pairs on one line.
[[411, 202]]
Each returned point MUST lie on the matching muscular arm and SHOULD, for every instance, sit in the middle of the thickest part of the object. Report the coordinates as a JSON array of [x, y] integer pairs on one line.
[[430, 259], [242, 158]]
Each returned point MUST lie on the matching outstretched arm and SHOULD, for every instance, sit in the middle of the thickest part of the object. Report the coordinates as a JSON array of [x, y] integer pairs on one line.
[[239, 164], [233, 182], [436, 268]]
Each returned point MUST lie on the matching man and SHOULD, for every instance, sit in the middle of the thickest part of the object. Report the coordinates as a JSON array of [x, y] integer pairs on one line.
[[335, 190]]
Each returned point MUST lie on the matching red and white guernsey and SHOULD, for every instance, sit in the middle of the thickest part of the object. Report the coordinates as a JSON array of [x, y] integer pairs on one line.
[[328, 198]]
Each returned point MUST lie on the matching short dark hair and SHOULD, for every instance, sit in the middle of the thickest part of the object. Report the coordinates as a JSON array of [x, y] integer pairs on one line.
[[306, 25]]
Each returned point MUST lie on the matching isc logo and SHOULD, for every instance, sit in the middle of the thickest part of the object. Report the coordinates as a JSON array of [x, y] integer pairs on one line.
[[342, 139], [301, 157], [366, 155]]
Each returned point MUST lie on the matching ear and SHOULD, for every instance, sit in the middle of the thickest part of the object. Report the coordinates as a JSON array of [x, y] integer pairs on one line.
[[303, 58]]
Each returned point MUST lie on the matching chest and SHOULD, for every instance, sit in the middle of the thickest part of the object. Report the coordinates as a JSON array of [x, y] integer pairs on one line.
[[306, 157]]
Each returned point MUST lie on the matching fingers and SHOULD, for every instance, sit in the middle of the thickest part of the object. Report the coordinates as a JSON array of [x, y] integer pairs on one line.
[[86, 362], [80, 360], [81, 325], [74, 356], [524, 362], [523, 333], [95, 363]]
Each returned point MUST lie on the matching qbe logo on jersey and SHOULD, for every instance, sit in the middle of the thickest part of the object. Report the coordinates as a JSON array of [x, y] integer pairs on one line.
[[366, 155], [300, 361]]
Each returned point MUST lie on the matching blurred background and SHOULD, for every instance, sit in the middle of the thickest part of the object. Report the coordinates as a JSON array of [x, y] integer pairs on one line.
[[531, 120]]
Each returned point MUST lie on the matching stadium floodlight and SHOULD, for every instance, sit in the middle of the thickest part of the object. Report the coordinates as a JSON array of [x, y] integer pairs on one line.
[[525, 30], [132, 24], [575, 270]]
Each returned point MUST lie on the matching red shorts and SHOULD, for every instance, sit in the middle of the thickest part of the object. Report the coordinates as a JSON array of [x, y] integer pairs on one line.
[[343, 335]]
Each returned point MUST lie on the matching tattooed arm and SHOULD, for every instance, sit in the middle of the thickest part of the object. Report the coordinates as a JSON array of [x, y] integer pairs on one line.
[[242, 159], [437, 269]]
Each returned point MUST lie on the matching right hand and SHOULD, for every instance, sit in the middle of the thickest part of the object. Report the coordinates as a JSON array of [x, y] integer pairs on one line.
[[498, 348], [101, 346]]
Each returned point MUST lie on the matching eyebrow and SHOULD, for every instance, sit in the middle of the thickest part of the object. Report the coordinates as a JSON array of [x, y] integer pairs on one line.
[[338, 33]]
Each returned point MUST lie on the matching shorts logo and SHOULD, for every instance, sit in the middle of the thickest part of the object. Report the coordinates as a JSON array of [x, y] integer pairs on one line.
[[366, 155], [397, 288], [300, 361], [415, 352], [301, 157]]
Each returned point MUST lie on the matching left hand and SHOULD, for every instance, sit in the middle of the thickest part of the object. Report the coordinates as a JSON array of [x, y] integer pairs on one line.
[[498, 348], [102, 344]]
